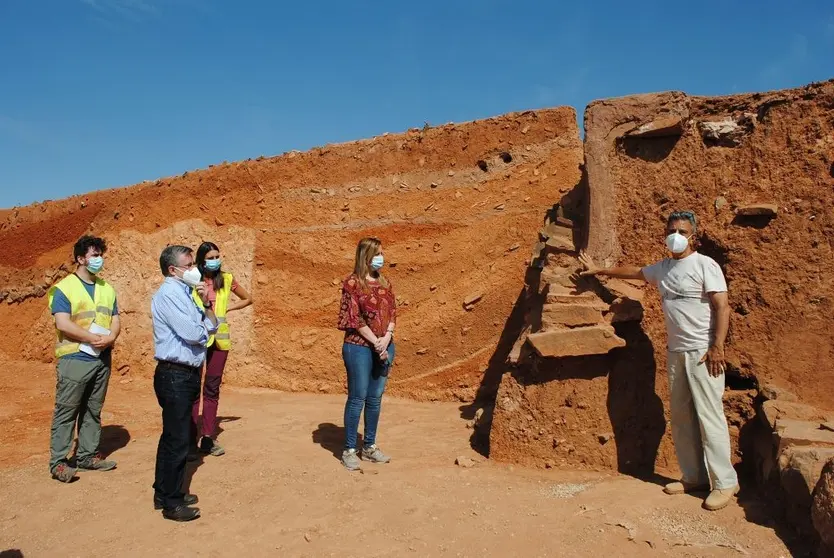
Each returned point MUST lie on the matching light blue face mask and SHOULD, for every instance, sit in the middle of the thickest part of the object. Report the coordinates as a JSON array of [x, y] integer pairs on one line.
[[213, 265], [95, 264], [377, 262]]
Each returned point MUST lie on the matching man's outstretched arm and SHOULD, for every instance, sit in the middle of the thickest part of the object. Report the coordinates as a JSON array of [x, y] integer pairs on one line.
[[623, 272]]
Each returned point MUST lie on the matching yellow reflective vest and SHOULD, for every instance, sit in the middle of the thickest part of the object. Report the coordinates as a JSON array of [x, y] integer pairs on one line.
[[83, 309], [222, 337]]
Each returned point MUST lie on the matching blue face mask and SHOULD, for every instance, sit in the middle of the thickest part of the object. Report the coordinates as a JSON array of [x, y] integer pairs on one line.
[[213, 265], [95, 264], [377, 262]]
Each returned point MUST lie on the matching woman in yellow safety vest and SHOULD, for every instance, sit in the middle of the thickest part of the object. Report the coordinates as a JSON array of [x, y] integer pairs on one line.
[[218, 285]]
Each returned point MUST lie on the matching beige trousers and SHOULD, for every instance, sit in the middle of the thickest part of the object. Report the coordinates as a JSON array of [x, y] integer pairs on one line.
[[699, 427]]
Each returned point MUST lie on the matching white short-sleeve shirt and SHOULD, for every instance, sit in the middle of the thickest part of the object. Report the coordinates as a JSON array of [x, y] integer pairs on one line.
[[684, 288]]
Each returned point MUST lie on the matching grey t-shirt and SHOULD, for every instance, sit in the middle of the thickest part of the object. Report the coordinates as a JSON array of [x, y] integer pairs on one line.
[[684, 286]]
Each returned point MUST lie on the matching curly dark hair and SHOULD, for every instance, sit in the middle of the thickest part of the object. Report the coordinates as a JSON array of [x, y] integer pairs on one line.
[[85, 243]]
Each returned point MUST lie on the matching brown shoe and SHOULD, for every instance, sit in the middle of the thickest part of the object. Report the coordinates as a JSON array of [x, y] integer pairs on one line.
[[720, 498], [681, 487]]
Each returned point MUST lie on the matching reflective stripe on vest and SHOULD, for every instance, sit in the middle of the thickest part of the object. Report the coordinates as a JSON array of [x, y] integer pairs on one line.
[[222, 337], [83, 309]]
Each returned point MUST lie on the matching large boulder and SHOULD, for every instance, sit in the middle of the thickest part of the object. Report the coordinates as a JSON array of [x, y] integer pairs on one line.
[[822, 509]]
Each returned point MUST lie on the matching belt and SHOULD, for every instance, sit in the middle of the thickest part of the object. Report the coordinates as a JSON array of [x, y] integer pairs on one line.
[[177, 366]]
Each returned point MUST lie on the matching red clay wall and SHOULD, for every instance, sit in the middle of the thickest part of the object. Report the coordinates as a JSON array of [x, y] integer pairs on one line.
[[454, 214]]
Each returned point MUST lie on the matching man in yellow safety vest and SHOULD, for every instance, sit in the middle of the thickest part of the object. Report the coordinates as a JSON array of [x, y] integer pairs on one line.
[[86, 326]]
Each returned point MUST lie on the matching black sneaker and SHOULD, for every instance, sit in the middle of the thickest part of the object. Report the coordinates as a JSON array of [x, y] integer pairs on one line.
[[181, 513], [188, 500]]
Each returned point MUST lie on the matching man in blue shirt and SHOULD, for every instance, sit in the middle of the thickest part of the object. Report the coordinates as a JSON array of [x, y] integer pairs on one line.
[[180, 331], [81, 302]]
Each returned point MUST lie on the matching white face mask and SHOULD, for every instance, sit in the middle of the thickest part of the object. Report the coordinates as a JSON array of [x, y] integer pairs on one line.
[[191, 277], [677, 243]]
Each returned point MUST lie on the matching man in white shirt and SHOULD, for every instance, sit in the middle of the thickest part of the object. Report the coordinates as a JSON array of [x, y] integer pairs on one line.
[[694, 295]]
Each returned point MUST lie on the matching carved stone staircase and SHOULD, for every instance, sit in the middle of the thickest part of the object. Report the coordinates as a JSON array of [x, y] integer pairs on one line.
[[570, 315]]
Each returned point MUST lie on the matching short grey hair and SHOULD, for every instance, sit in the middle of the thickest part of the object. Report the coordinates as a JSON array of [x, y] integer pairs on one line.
[[683, 216], [170, 257]]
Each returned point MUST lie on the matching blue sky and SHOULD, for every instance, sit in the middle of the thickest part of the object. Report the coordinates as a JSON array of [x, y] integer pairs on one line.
[[105, 93]]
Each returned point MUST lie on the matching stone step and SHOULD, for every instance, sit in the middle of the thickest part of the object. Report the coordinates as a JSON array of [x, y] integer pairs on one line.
[[561, 276], [622, 289], [595, 340], [772, 411], [560, 242], [791, 432], [562, 295], [570, 315]]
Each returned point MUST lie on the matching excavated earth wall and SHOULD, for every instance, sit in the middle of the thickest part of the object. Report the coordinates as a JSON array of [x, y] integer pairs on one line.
[[758, 170]]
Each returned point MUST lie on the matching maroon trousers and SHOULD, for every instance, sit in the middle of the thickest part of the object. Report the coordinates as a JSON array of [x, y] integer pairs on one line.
[[215, 363]]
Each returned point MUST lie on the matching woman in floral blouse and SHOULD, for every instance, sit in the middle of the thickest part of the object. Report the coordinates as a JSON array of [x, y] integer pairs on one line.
[[367, 316]]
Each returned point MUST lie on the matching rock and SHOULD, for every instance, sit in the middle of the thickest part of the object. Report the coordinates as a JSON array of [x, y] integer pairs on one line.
[[218, 222], [561, 243], [123, 369], [625, 310], [451, 173], [570, 315], [499, 207], [774, 392], [790, 432], [772, 411], [434, 184], [479, 416], [822, 507], [465, 462], [308, 537], [622, 289], [471, 300], [660, 127], [758, 209], [514, 247], [536, 252], [605, 437], [828, 426], [719, 203], [422, 350], [726, 133], [799, 472], [595, 340], [433, 288]]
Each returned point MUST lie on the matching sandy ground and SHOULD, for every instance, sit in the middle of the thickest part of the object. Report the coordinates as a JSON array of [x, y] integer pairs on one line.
[[280, 490]]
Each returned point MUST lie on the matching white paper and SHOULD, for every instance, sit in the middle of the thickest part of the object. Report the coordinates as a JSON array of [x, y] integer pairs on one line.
[[89, 349]]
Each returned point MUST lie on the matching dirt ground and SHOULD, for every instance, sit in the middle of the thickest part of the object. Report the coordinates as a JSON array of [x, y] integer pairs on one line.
[[280, 490]]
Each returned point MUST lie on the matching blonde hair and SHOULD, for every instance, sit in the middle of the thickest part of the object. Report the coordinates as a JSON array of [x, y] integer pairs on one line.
[[365, 251]]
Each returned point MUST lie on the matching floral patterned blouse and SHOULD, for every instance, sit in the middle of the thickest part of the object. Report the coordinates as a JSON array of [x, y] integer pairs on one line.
[[375, 307]]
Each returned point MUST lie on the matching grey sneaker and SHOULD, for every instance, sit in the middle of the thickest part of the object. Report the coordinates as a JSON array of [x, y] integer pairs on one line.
[[374, 455], [96, 463], [207, 445], [350, 460], [63, 472]]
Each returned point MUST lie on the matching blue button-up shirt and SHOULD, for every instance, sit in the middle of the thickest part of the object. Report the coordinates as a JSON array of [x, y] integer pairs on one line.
[[180, 329]]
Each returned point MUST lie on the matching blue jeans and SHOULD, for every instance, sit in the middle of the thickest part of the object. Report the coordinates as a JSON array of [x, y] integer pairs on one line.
[[367, 375]]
